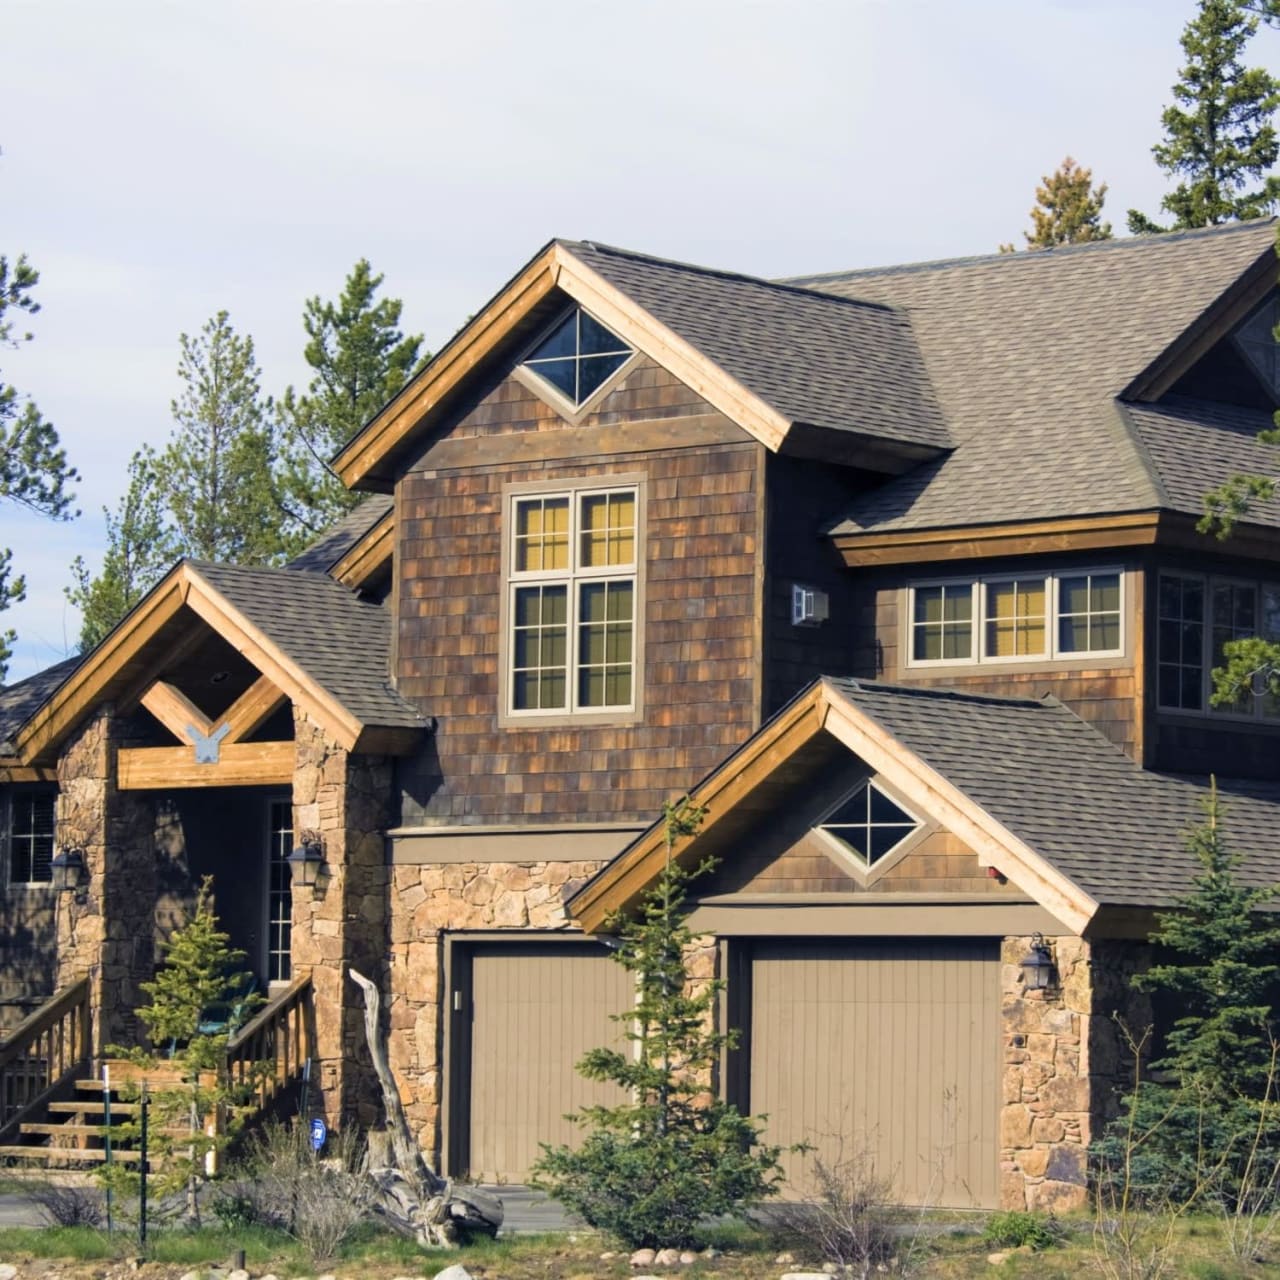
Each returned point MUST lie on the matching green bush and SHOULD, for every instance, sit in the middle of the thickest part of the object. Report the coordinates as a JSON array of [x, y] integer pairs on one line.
[[1014, 1229]]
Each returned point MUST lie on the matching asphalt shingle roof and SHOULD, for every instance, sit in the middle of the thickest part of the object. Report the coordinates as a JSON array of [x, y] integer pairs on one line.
[[342, 642], [823, 361], [340, 537], [20, 701], [1027, 353], [1116, 830]]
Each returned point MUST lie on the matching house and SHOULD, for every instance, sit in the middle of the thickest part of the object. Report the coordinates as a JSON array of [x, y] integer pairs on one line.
[[897, 570]]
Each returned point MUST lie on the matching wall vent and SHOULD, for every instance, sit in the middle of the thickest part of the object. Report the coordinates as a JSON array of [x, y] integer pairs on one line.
[[809, 606]]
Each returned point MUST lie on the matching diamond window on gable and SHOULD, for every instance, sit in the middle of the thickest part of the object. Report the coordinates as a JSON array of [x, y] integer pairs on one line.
[[869, 824], [1256, 339], [578, 356]]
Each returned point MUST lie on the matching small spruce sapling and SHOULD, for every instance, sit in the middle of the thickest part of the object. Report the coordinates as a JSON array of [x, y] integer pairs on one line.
[[651, 1168]]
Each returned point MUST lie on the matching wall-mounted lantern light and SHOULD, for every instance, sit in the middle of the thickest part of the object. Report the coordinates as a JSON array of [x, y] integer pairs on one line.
[[306, 862], [68, 870], [1037, 968]]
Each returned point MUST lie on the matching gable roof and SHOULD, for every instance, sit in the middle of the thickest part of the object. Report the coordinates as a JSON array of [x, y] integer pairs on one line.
[[20, 700], [1028, 785], [1028, 352], [343, 536]]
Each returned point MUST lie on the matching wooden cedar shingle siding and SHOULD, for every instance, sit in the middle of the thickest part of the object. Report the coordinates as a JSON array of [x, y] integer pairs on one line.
[[698, 608]]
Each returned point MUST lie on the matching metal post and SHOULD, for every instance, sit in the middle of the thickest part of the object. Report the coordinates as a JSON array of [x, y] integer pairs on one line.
[[142, 1160], [106, 1117]]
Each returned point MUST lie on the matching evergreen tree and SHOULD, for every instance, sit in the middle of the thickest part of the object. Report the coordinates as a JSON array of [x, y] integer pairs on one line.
[[1218, 135], [1068, 209], [33, 465], [673, 1154], [361, 359]]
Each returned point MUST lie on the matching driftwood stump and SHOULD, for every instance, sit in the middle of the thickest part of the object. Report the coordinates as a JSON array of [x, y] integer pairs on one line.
[[412, 1197]]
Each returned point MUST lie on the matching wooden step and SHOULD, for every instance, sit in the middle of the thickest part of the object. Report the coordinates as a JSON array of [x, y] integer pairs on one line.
[[69, 1130], [76, 1155], [91, 1106]]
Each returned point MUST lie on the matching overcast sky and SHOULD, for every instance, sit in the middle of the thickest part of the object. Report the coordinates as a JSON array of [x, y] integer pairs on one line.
[[162, 161]]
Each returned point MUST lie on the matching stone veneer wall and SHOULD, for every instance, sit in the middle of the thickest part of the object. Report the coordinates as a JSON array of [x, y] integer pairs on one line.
[[1064, 1061], [428, 899], [108, 930], [346, 798]]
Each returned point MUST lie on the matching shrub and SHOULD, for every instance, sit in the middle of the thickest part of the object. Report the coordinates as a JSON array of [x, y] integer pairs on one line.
[[66, 1206], [1014, 1229]]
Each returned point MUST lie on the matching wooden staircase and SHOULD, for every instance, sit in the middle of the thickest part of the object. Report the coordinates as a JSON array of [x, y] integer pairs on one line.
[[54, 1109]]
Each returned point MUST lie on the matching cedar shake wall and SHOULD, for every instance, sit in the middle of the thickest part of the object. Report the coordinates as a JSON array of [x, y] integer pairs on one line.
[[697, 607]]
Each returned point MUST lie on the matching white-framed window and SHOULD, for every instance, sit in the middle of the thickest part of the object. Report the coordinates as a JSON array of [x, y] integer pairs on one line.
[[29, 815], [1196, 615], [1016, 617], [279, 957], [577, 356], [572, 603], [869, 824]]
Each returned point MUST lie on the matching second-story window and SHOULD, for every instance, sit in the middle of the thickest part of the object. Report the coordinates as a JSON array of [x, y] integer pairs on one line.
[[573, 601]]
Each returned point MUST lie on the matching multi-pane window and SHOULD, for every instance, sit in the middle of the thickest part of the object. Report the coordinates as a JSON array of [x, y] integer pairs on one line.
[[1016, 618], [573, 601], [869, 824], [279, 892], [1256, 338], [1197, 617], [30, 837], [578, 356]]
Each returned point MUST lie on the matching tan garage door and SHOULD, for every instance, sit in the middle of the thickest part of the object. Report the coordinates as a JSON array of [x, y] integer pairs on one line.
[[890, 1049], [536, 1009]]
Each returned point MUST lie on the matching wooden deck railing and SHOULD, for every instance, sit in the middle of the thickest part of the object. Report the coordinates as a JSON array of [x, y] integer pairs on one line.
[[268, 1052], [44, 1051]]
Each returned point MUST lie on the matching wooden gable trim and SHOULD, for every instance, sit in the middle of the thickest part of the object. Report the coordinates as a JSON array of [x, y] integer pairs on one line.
[[620, 884], [358, 464], [1216, 322], [977, 542], [337, 722], [368, 557]]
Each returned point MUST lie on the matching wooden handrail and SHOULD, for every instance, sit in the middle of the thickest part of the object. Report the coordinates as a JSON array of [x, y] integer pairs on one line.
[[270, 1049], [43, 1051]]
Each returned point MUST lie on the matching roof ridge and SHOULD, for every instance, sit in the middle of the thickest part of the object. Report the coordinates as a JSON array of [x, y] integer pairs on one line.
[[1119, 244], [741, 277], [933, 692]]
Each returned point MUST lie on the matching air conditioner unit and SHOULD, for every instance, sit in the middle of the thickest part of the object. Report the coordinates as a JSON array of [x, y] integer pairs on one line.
[[809, 606]]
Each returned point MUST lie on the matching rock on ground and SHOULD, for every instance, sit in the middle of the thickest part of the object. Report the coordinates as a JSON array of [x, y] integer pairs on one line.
[[456, 1272]]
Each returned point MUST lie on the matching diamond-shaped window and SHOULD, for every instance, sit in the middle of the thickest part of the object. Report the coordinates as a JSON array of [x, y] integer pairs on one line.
[[1256, 339], [869, 824], [578, 356]]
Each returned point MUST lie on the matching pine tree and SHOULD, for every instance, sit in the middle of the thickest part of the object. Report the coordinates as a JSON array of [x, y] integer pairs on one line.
[[33, 465], [1218, 135], [673, 1154], [1068, 209], [361, 359]]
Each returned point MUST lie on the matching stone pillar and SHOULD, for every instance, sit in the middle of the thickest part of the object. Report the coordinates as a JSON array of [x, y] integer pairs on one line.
[[106, 929], [346, 799], [1062, 1066]]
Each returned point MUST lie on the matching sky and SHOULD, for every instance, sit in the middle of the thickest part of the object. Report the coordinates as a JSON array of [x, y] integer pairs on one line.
[[164, 161]]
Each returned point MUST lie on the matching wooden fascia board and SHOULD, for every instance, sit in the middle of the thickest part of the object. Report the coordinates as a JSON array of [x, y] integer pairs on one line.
[[975, 542], [388, 429], [368, 556], [635, 868], [340, 725], [1251, 540], [614, 309], [994, 845], [76, 697], [13, 771], [1218, 320]]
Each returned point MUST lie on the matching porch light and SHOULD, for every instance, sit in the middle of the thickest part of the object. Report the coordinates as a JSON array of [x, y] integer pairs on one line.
[[307, 860], [68, 870], [1037, 968]]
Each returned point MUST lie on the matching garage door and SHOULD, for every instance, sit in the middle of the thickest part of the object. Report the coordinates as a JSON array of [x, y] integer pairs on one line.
[[535, 1011], [889, 1050]]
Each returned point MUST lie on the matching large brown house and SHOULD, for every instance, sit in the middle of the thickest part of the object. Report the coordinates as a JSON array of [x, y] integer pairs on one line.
[[897, 569]]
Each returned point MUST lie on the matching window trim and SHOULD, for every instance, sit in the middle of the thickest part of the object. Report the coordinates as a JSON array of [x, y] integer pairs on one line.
[[6, 838], [979, 617], [846, 859], [535, 382], [575, 488], [1208, 580]]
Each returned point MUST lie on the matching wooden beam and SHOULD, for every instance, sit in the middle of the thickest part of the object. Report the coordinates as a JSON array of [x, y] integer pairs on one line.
[[975, 542], [368, 557], [360, 460], [27, 773], [176, 711], [240, 764], [251, 710]]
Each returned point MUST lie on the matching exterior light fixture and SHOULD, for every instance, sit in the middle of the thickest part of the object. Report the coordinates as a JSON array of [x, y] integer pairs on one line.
[[1037, 968], [307, 861], [68, 870]]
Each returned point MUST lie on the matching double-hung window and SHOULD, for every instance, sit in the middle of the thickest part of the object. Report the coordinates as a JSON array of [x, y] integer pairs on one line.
[[1016, 617], [30, 815], [572, 601]]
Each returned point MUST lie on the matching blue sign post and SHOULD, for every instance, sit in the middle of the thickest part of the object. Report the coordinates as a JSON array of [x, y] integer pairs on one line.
[[319, 1132]]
